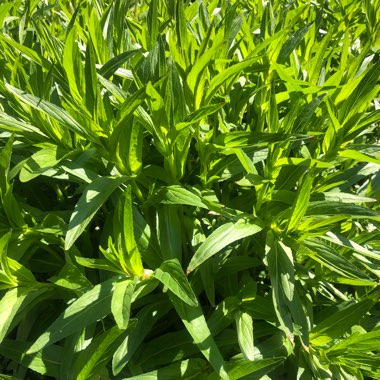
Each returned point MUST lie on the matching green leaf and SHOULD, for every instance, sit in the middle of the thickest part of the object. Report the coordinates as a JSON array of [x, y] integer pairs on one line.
[[326, 255], [208, 280], [357, 342], [30, 53], [5, 160], [219, 79], [101, 264], [169, 232], [92, 356], [302, 200], [54, 111], [23, 275], [221, 238], [247, 139], [21, 127], [186, 369], [239, 368], [170, 273], [91, 92], [146, 318], [195, 323], [358, 156], [292, 43], [146, 240], [4, 241], [87, 309], [320, 52], [335, 325], [121, 301], [98, 35], [338, 208], [194, 76], [109, 68], [244, 327], [199, 115], [70, 277], [344, 242], [124, 235], [180, 196], [93, 197], [41, 161], [72, 63], [9, 305], [360, 96], [13, 302], [158, 112], [153, 22], [335, 196], [306, 114], [281, 272], [46, 362]]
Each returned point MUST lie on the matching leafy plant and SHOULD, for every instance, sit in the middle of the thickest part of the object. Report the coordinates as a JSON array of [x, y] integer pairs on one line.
[[189, 189]]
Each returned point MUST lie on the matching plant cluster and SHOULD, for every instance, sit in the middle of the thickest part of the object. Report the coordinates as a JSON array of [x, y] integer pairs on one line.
[[189, 189]]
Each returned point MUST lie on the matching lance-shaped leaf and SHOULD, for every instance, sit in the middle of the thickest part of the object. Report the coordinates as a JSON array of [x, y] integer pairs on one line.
[[221, 238], [240, 368], [178, 195], [292, 43], [72, 64], [302, 200], [46, 362], [195, 323], [248, 139], [244, 327], [198, 115], [41, 161], [110, 67], [326, 255], [221, 78], [121, 301], [93, 197], [169, 232], [286, 301], [95, 353], [170, 273], [146, 318], [339, 208], [338, 323], [194, 76], [124, 235], [186, 369], [4, 265], [57, 113], [9, 306], [87, 309], [5, 160], [344, 242]]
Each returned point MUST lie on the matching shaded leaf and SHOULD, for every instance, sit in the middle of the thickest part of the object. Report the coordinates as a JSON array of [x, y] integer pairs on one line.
[[93, 197], [87, 309]]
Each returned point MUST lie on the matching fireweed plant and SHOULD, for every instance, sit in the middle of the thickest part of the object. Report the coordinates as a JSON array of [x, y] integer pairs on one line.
[[189, 189]]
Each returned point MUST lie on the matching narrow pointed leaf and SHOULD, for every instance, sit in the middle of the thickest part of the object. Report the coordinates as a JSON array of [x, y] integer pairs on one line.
[[170, 273], [338, 323], [244, 328], [87, 309], [195, 323], [93, 197], [121, 302], [221, 238]]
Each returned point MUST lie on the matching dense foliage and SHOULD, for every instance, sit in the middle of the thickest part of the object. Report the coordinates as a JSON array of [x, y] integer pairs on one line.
[[189, 189]]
